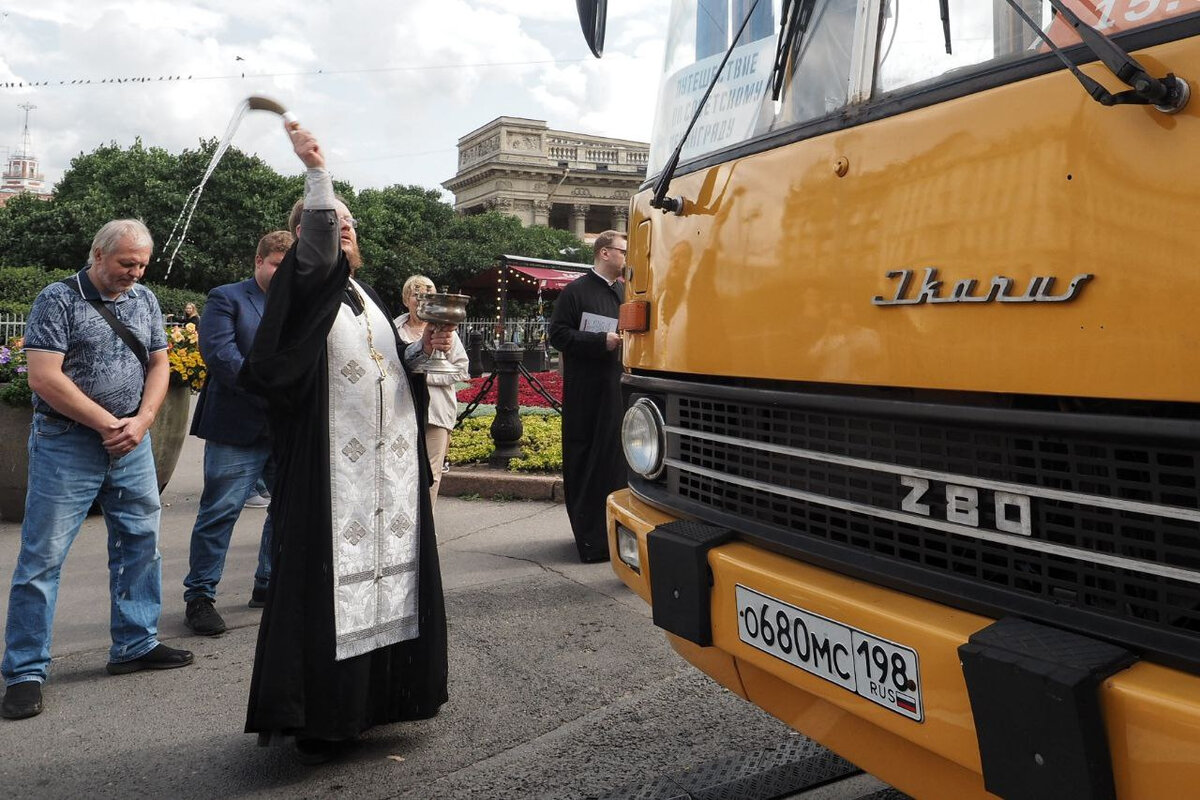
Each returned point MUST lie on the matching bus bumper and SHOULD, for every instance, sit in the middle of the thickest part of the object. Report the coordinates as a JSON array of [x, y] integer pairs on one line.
[[1150, 713]]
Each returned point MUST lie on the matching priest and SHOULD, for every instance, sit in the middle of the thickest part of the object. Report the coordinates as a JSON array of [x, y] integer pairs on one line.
[[583, 328], [354, 631]]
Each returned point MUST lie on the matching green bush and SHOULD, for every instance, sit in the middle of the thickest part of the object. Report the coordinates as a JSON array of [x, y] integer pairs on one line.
[[471, 442], [20, 285], [172, 300], [17, 393], [541, 447], [541, 444]]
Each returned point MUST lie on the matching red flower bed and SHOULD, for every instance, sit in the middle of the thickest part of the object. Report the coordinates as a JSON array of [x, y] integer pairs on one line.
[[526, 395]]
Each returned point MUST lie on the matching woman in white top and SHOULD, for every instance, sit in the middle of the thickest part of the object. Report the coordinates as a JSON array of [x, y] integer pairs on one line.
[[443, 404]]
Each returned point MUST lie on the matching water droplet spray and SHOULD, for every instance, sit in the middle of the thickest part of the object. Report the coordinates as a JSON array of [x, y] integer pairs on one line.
[[252, 103]]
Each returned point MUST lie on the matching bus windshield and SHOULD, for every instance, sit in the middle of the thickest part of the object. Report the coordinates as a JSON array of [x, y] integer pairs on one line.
[[844, 58], [700, 32]]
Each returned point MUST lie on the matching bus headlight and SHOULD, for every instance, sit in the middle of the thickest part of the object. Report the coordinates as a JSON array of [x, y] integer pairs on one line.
[[642, 438]]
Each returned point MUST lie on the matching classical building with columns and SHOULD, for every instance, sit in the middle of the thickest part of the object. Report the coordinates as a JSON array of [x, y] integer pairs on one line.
[[570, 181]]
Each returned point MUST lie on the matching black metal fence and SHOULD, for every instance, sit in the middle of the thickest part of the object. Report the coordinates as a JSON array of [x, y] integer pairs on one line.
[[525, 332], [529, 333]]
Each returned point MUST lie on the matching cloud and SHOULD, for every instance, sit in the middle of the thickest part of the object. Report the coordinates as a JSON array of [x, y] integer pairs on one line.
[[388, 88], [538, 10], [144, 14]]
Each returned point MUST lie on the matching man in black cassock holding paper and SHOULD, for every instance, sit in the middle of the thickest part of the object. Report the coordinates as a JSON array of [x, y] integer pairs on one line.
[[583, 328], [354, 631]]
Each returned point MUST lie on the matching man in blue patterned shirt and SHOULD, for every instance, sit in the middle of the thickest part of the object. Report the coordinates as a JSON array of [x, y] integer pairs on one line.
[[94, 400]]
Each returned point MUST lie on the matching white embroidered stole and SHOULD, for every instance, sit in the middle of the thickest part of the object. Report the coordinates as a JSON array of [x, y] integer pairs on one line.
[[374, 481]]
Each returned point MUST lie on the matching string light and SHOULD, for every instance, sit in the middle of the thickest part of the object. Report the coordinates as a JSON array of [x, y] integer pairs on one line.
[[509, 272]]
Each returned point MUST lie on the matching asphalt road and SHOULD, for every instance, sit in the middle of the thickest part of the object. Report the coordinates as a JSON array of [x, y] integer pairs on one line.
[[560, 686]]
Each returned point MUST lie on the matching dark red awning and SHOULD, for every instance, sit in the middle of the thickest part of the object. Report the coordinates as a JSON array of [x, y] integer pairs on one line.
[[526, 280], [547, 279]]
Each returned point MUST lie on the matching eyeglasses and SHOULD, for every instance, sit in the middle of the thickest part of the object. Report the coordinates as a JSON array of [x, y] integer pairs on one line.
[[351, 221], [618, 249]]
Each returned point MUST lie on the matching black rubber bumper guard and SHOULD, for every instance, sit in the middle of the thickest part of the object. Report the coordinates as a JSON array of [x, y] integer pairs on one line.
[[1035, 699], [680, 579]]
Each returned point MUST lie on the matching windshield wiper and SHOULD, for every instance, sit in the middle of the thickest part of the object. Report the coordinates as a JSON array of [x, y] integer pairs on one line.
[[793, 24], [675, 204], [944, 7], [1169, 95]]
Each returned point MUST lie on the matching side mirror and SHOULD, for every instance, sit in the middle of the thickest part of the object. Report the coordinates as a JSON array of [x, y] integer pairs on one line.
[[592, 18]]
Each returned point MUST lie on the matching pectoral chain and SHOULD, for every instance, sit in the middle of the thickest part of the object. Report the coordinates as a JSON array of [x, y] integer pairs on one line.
[[376, 356]]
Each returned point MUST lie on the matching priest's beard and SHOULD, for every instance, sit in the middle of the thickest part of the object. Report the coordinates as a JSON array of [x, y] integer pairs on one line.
[[353, 256]]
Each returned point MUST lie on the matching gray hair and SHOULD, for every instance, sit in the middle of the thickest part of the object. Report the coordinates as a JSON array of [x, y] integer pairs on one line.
[[296, 215], [407, 289], [112, 232]]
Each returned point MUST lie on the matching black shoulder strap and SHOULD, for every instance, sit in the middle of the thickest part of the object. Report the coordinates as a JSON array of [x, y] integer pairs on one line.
[[121, 329]]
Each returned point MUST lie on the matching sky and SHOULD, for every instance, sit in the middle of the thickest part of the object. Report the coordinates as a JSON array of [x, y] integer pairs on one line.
[[387, 86]]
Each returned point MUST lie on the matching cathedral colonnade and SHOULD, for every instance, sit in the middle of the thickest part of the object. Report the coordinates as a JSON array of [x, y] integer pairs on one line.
[[577, 182]]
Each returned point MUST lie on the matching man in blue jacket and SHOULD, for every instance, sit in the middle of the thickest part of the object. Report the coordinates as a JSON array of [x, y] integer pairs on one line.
[[237, 445]]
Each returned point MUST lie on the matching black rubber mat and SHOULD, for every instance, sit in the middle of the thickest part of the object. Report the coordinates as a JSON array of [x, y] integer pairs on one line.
[[886, 794], [793, 766]]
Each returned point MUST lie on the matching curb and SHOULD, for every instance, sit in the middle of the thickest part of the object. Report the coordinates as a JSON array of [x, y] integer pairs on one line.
[[491, 483]]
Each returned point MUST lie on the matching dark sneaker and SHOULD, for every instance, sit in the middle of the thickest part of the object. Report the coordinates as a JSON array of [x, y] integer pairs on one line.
[[161, 657], [22, 700], [258, 598], [202, 618]]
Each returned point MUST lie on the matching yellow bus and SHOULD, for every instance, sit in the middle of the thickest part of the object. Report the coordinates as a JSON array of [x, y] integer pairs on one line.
[[913, 422]]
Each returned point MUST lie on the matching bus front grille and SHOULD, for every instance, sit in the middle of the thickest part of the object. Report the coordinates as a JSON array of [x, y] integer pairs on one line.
[[1098, 531]]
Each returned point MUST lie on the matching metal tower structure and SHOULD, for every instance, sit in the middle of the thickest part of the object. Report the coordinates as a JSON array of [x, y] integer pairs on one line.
[[26, 141], [21, 174]]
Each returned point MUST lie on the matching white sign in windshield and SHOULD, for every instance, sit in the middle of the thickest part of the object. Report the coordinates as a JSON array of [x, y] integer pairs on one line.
[[730, 113]]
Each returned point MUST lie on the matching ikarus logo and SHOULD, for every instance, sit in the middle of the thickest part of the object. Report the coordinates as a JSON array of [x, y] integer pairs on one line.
[[1040, 289]]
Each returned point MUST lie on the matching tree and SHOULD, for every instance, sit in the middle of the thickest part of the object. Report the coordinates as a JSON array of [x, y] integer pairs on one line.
[[399, 229], [243, 199], [403, 230], [410, 230]]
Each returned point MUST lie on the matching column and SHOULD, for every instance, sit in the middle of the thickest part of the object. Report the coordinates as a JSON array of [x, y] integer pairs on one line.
[[504, 205], [579, 213], [523, 210], [541, 212], [620, 219]]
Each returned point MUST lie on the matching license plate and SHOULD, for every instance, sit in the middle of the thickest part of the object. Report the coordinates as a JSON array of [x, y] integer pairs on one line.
[[886, 673]]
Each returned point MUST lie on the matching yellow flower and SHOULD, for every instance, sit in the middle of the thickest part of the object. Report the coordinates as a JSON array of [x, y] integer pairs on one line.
[[183, 357]]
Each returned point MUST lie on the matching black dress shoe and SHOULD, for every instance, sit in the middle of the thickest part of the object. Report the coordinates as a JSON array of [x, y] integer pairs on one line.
[[22, 700], [161, 657], [258, 597], [314, 751], [594, 556]]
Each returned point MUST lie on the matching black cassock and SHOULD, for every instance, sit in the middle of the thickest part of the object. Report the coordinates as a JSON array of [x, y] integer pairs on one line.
[[298, 687], [593, 464]]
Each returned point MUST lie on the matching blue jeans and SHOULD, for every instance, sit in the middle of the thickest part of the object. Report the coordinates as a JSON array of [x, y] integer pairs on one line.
[[230, 472], [69, 469]]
